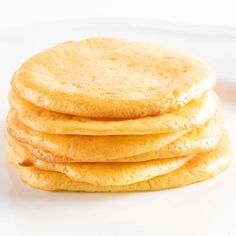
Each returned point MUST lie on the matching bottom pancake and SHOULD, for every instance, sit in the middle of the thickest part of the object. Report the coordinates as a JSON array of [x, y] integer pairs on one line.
[[201, 167]]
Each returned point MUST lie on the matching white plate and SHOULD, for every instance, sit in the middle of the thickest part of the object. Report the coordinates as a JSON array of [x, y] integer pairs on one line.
[[206, 208]]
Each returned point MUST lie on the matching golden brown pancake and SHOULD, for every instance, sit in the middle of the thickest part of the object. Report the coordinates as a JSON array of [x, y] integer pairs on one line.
[[202, 167], [199, 140], [194, 114], [202, 139], [100, 173], [112, 115], [88, 148], [18, 152], [112, 78]]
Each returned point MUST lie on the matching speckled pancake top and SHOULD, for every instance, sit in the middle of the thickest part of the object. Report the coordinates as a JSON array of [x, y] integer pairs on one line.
[[112, 78]]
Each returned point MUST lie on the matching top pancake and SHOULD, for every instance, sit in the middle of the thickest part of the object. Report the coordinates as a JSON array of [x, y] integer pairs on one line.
[[111, 78]]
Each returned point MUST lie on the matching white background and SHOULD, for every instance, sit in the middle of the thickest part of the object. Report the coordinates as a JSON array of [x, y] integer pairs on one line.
[[203, 209], [203, 12]]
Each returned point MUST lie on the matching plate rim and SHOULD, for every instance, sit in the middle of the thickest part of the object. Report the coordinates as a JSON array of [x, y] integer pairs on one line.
[[225, 32]]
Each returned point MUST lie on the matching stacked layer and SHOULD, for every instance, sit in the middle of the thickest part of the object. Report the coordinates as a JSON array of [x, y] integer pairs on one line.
[[115, 115]]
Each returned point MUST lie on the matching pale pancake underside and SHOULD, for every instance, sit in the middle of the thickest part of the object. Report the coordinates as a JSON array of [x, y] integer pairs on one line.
[[78, 78], [199, 168], [196, 113]]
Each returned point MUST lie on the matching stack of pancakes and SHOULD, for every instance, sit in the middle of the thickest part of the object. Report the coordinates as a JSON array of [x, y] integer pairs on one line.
[[106, 114]]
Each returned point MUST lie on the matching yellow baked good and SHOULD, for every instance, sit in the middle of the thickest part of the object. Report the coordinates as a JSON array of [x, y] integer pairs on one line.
[[202, 139], [112, 78], [194, 114], [202, 167], [101, 173], [88, 148], [113, 115]]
